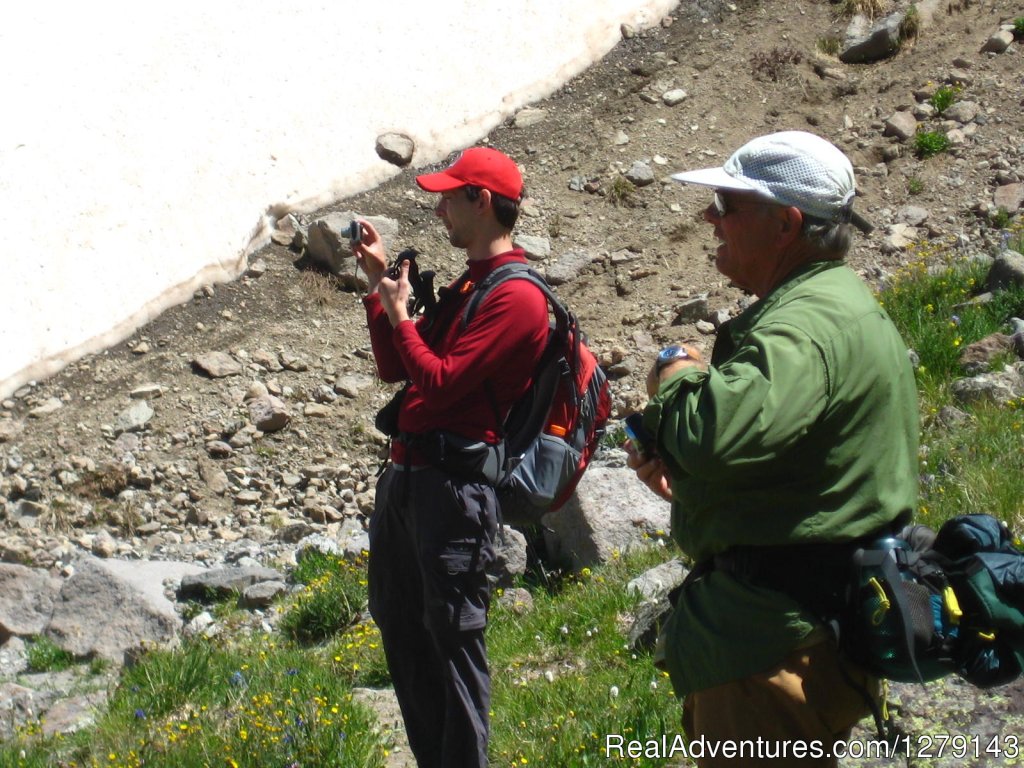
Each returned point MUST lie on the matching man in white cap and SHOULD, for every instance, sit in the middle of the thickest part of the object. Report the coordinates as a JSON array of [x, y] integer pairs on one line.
[[796, 443]]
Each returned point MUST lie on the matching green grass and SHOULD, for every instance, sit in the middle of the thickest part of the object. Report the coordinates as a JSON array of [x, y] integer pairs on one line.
[[930, 143], [976, 465], [333, 595], [44, 656], [944, 97]]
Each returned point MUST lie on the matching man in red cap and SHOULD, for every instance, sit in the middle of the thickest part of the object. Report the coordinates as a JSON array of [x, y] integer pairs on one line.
[[432, 530]]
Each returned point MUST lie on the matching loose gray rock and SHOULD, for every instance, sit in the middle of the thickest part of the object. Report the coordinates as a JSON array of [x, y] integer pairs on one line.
[[268, 413], [999, 42], [1009, 197], [536, 248], [262, 595], [352, 384], [913, 215], [510, 557], [134, 418], [692, 309], [529, 116], [27, 597], [640, 174], [977, 357], [611, 511], [217, 365], [395, 148], [1007, 270], [881, 40], [902, 125], [659, 581], [962, 111], [51, 405], [224, 582], [1000, 388], [568, 267], [10, 429], [674, 97], [109, 607]]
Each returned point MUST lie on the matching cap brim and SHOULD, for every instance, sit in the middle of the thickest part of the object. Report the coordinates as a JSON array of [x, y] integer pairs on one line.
[[438, 182], [713, 177], [861, 223]]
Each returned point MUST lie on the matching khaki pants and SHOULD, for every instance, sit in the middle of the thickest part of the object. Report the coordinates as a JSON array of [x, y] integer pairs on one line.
[[804, 699]]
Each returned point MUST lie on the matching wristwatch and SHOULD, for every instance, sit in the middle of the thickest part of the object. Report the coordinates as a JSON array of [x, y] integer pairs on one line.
[[669, 355]]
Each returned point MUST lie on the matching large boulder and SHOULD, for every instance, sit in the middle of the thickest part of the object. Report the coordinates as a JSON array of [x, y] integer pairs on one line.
[[109, 607], [610, 512], [27, 597]]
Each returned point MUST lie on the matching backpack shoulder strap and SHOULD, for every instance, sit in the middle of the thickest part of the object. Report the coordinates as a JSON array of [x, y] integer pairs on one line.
[[513, 271]]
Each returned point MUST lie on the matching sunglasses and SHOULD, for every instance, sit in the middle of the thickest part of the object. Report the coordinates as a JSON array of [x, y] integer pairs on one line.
[[718, 203]]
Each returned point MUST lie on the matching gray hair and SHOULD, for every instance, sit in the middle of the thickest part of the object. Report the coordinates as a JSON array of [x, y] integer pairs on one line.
[[827, 238]]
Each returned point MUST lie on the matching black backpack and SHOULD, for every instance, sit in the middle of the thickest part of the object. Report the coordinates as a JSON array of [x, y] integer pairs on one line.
[[553, 430]]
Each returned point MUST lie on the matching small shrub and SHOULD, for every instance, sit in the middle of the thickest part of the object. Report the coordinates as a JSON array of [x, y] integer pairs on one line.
[[1001, 219], [928, 143], [334, 594], [43, 655], [870, 8], [910, 26], [621, 192], [829, 45], [944, 98], [1018, 28], [915, 186], [772, 64]]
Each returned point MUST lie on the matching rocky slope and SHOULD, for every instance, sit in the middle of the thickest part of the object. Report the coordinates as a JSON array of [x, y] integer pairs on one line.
[[235, 424]]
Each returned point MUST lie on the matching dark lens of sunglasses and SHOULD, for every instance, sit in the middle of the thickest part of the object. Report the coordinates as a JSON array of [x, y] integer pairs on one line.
[[719, 204]]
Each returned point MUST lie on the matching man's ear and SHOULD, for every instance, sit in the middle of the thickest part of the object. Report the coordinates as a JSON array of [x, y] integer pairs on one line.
[[483, 201], [791, 224]]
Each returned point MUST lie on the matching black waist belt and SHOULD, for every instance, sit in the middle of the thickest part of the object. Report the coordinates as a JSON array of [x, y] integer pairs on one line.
[[459, 456], [815, 574]]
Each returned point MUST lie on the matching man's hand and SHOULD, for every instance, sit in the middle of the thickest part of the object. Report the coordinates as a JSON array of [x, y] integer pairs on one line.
[[394, 295], [654, 377], [370, 256], [650, 471]]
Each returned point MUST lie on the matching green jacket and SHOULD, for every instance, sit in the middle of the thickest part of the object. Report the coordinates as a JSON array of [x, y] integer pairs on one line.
[[803, 429]]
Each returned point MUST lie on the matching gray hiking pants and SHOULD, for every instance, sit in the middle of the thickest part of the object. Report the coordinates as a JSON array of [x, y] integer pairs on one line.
[[431, 540]]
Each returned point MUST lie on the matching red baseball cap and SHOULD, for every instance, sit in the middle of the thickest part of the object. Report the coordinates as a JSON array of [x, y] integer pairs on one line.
[[477, 167]]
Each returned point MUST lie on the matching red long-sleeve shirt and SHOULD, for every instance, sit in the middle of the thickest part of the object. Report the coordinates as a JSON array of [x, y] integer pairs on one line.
[[501, 345]]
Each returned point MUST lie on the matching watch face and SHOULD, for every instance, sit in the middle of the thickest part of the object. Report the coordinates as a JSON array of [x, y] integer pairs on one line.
[[668, 354]]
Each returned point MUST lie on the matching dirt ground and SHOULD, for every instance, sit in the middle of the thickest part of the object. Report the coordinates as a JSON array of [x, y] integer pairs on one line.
[[747, 68]]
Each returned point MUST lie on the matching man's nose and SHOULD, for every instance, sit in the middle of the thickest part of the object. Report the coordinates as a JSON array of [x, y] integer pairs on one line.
[[439, 209], [710, 214]]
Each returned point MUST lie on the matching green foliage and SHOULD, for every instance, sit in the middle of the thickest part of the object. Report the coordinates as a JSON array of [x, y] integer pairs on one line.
[[976, 465], [929, 143], [1018, 28], [621, 192], [334, 594], [910, 26], [932, 309], [915, 186], [944, 97], [1001, 219], [829, 45], [43, 655], [563, 677], [847, 9]]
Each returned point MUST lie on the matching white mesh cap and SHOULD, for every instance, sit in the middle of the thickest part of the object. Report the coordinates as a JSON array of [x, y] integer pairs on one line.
[[792, 168]]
